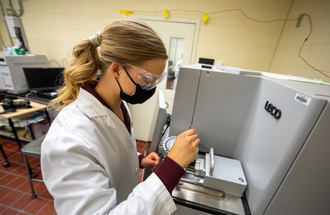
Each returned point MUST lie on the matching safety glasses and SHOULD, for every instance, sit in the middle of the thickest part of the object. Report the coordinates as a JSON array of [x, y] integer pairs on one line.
[[150, 80]]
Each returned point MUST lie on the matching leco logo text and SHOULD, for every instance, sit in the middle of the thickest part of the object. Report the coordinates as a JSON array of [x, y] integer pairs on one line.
[[273, 110]]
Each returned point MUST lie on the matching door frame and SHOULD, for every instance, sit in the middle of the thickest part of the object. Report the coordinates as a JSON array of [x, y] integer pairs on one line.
[[178, 20]]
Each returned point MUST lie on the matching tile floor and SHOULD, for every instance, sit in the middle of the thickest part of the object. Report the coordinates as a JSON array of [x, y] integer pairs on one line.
[[15, 193]]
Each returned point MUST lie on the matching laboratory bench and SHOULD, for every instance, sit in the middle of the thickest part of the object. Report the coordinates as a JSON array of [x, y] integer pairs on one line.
[[32, 97], [19, 125]]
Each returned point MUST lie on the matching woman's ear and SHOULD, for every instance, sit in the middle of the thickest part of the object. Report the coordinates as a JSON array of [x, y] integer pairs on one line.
[[115, 69]]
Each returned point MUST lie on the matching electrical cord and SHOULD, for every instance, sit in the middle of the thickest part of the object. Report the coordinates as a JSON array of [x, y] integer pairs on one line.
[[255, 20], [53, 61], [220, 11], [167, 124], [299, 55], [65, 62], [164, 130], [28, 94]]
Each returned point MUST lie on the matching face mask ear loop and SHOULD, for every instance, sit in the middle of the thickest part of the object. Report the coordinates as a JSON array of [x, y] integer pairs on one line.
[[129, 76], [118, 84]]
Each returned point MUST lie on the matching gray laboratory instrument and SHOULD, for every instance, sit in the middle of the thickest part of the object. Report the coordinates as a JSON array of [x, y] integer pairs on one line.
[[269, 134], [12, 78]]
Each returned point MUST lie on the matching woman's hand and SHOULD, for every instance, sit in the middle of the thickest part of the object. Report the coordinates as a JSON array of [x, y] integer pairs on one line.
[[152, 160], [184, 148]]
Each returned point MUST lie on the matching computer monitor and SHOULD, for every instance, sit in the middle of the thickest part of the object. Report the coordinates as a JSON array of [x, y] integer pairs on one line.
[[207, 61], [43, 78]]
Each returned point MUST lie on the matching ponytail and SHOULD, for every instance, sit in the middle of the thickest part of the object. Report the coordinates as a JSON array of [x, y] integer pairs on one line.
[[83, 68], [125, 41]]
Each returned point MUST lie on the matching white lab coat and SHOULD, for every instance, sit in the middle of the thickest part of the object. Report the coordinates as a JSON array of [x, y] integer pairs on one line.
[[90, 164]]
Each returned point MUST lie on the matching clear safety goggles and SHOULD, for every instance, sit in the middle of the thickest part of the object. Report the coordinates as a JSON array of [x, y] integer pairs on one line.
[[150, 80]]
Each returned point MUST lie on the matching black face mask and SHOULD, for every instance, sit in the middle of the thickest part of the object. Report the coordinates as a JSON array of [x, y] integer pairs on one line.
[[140, 96]]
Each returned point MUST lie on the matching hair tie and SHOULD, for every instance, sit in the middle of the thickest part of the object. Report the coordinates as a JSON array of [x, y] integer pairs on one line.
[[95, 40]]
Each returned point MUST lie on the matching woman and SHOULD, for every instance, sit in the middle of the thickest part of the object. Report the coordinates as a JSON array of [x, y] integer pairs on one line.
[[88, 158]]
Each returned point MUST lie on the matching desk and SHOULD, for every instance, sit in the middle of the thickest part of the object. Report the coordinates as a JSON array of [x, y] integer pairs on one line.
[[19, 113], [23, 96]]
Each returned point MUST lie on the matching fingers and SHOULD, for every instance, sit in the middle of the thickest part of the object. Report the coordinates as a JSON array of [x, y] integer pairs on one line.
[[151, 160], [148, 163], [195, 143], [192, 137], [194, 140], [154, 156], [153, 163], [189, 132]]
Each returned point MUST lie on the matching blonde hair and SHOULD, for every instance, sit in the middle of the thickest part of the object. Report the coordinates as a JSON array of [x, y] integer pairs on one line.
[[126, 41]]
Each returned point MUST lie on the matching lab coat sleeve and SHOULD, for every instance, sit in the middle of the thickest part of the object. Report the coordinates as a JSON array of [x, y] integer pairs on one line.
[[160, 202], [80, 185]]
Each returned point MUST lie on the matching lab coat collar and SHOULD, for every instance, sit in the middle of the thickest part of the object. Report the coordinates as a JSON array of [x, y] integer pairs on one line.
[[93, 108], [90, 105]]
